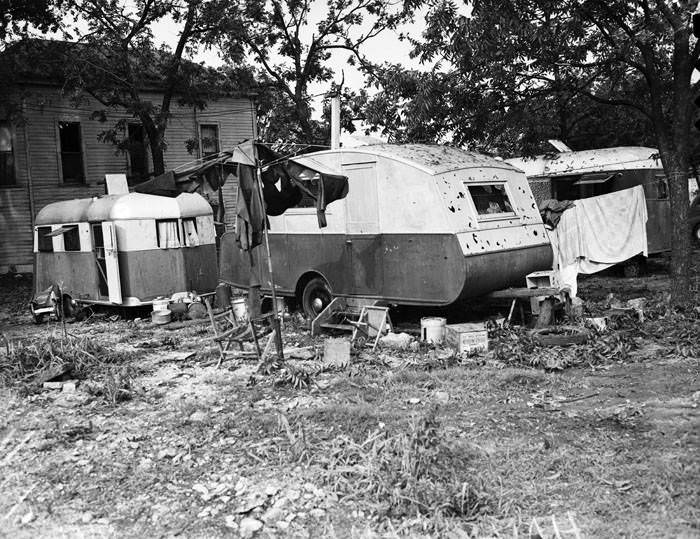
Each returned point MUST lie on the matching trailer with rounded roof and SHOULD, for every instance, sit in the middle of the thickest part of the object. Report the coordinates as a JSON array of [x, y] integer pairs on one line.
[[421, 225], [125, 249]]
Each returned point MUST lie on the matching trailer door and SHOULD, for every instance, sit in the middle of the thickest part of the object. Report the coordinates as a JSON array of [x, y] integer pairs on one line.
[[362, 239], [114, 286]]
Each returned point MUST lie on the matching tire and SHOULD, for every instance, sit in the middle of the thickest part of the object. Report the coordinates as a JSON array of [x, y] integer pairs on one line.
[[556, 337], [69, 308], [696, 235], [316, 297]]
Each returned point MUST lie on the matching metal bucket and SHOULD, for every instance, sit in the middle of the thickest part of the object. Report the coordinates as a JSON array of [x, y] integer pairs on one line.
[[432, 329], [240, 309]]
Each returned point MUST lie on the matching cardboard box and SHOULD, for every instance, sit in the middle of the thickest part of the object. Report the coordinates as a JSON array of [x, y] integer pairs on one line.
[[467, 338]]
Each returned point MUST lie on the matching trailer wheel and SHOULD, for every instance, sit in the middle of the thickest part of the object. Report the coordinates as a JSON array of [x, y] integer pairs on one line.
[[316, 297]]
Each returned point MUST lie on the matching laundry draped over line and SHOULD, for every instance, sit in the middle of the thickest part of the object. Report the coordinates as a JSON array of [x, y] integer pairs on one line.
[[597, 233]]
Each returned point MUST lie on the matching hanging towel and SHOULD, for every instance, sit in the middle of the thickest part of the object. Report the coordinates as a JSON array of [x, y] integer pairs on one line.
[[250, 216], [599, 232]]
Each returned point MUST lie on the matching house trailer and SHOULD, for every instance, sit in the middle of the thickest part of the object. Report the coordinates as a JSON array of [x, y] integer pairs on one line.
[[575, 175], [125, 249], [421, 225]]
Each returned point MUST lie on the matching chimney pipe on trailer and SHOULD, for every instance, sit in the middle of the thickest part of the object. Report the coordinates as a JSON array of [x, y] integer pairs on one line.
[[335, 122]]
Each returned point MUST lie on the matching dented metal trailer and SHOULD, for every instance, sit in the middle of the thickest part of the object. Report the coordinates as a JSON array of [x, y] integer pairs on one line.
[[421, 225], [573, 175], [125, 249]]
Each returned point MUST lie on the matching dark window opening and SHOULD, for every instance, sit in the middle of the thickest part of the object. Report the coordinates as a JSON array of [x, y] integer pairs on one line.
[[71, 152], [44, 241], [71, 239], [7, 158], [661, 187], [582, 186], [490, 199], [138, 153], [209, 137]]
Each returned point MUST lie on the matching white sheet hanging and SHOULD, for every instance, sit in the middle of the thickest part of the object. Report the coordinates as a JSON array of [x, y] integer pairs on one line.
[[598, 233]]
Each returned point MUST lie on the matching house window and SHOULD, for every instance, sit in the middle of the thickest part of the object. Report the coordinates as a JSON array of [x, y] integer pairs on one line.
[[71, 239], [138, 156], [167, 233], [209, 139], [44, 241], [71, 149], [7, 159], [490, 200], [189, 232]]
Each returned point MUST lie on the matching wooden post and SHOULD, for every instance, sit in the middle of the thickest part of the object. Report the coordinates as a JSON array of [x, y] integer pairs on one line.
[[276, 325]]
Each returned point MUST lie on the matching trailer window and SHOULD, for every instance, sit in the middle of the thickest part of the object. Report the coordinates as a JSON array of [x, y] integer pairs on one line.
[[660, 187], [189, 232], [44, 241], [71, 239], [308, 201], [490, 200], [167, 233]]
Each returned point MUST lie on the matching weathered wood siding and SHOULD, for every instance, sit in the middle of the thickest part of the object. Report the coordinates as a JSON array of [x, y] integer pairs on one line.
[[44, 108]]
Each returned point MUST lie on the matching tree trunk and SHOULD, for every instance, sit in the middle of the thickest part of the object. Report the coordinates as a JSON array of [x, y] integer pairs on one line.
[[158, 160], [155, 141], [680, 235]]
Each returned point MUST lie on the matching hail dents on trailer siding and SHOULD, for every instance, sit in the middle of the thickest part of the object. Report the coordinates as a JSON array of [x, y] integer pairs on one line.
[[409, 230]]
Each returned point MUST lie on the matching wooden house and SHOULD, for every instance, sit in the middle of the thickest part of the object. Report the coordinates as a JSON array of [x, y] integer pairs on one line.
[[50, 147]]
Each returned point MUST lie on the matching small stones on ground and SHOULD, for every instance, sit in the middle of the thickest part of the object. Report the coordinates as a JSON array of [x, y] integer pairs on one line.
[[28, 517], [414, 400], [249, 527], [317, 513], [293, 495], [442, 397], [230, 522], [86, 517], [198, 417], [168, 452], [273, 515]]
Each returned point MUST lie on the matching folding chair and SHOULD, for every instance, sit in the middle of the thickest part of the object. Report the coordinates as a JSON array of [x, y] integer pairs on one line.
[[227, 330], [373, 322]]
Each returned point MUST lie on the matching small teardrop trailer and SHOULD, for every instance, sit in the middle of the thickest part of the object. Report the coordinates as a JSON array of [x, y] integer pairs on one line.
[[421, 225], [124, 250]]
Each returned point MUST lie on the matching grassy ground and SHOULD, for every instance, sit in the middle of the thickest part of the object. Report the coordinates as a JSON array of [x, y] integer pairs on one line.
[[393, 444]]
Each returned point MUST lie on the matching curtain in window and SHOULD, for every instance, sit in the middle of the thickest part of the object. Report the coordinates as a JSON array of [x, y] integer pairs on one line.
[[190, 229], [167, 235]]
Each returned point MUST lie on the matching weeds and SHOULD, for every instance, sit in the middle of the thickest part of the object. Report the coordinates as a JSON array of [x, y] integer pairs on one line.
[[516, 347], [22, 360], [407, 473], [116, 385]]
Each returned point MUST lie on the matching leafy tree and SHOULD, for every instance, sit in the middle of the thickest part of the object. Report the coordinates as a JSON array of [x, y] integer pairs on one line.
[[18, 16], [119, 65], [276, 34], [510, 63]]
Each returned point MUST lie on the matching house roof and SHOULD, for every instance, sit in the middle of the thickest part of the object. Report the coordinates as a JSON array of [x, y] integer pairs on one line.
[[587, 161], [43, 61], [431, 158]]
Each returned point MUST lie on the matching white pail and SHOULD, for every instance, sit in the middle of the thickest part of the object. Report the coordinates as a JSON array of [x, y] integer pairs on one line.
[[160, 304], [432, 329], [240, 309]]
